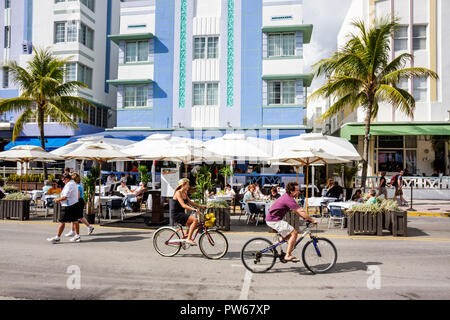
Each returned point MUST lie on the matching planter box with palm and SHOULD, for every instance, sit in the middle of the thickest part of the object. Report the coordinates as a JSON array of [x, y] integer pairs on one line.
[[15, 205], [221, 211], [144, 176], [203, 182], [44, 93], [361, 74], [89, 184]]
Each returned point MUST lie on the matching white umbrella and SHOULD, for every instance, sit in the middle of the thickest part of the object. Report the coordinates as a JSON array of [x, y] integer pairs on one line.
[[100, 152], [26, 154], [118, 144], [306, 157], [240, 147]]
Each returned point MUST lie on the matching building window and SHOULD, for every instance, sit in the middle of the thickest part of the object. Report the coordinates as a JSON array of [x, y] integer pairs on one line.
[[136, 96], [7, 4], [137, 51], [281, 92], [84, 74], [401, 38], [395, 153], [5, 82], [419, 37], [206, 94], [71, 72], [281, 44], [73, 31], [420, 89], [206, 47], [7, 43]]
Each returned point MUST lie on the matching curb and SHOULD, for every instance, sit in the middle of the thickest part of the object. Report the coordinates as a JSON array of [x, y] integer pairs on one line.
[[429, 214]]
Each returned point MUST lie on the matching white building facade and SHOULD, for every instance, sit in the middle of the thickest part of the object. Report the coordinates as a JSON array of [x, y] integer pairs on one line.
[[77, 29], [419, 143]]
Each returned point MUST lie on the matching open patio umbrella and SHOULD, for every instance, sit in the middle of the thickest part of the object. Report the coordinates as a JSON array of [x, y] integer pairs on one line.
[[99, 152], [25, 154], [239, 147], [118, 144], [307, 157]]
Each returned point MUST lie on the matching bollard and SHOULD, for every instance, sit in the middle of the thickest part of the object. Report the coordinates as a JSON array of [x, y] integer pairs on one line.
[[411, 206]]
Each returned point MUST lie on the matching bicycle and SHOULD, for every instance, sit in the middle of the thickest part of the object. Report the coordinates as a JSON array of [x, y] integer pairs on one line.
[[213, 244], [319, 255]]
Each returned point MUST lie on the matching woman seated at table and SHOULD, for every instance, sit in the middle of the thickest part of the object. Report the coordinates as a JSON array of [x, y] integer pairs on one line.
[[47, 186], [229, 191], [250, 195], [357, 197], [258, 192], [274, 195]]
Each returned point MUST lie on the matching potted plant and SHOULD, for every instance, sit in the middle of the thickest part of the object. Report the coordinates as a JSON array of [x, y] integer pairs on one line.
[[203, 182], [226, 172], [145, 177], [89, 183], [15, 205], [221, 210]]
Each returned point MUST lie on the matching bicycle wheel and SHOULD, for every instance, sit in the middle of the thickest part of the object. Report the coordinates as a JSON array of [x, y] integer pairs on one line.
[[319, 255], [256, 255], [167, 241], [213, 244]]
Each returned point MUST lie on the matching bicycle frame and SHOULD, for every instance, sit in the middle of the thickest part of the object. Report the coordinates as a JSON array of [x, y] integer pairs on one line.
[[306, 231]]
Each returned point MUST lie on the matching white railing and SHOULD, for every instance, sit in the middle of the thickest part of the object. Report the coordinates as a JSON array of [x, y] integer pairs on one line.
[[6, 171], [415, 182]]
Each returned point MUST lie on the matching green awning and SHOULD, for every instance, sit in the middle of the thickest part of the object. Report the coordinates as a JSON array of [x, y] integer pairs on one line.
[[305, 28], [129, 81], [397, 129], [131, 36]]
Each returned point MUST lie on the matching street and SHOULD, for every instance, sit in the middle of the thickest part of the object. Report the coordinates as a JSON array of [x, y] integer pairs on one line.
[[118, 263]]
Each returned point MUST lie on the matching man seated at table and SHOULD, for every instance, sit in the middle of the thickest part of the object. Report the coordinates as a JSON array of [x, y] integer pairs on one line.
[[336, 191], [123, 189], [111, 179], [132, 202], [372, 199], [46, 187], [229, 191], [54, 189]]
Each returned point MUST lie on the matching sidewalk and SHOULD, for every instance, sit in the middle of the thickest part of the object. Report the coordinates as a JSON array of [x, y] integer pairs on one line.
[[437, 208]]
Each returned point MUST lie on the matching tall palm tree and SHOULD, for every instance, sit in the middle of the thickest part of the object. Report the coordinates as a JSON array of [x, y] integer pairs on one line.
[[361, 74], [44, 93]]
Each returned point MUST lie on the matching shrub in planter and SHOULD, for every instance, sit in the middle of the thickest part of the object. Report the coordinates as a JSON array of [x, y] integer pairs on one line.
[[221, 210], [15, 205]]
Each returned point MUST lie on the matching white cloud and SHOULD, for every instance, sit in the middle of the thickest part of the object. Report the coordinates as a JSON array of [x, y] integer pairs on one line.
[[327, 17]]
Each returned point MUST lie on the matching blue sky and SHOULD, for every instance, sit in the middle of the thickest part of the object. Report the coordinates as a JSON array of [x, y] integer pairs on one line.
[[327, 17]]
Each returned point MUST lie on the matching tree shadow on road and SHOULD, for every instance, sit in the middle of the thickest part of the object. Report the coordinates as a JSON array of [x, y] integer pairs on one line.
[[114, 239]]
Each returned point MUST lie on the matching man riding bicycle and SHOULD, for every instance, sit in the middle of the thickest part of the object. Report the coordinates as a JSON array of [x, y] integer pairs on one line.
[[278, 210]]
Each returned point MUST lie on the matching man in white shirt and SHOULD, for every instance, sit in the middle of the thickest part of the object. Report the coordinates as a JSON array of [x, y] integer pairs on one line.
[[123, 189], [68, 199]]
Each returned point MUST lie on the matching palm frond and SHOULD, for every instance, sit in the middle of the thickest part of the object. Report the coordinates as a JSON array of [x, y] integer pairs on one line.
[[399, 98], [414, 72], [20, 122], [16, 104]]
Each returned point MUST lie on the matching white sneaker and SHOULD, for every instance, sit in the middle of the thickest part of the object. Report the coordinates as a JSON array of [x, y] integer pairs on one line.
[[70, 234], [77, 238], [91, 229], [55, 239]]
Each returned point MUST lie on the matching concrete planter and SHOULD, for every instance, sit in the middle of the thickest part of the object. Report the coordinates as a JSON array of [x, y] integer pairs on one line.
[[15, 209], [399, 223]]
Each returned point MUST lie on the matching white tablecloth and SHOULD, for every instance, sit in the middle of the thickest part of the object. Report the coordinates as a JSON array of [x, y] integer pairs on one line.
[[35, 194], [343, 205], [105, 199], [262, 203], [220, 198], [317, 201]]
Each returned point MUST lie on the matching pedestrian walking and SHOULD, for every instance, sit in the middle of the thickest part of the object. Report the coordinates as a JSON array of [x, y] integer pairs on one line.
[[398, 184], [80, 208], [69, 202], [382, 186]]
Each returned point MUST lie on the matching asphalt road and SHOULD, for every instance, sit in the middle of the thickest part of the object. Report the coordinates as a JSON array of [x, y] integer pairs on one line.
[[121, 264]]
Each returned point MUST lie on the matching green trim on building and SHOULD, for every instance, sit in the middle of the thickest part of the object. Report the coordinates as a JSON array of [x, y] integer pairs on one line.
[[116, 38], [230, 54], [284, 106], [284, 58], [129, 81], [305, 28], [397, 129], [183, 30], [135, 63], [307, 78]]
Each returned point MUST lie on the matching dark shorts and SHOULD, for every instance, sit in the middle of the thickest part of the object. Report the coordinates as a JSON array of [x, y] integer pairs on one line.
[[180, 217], [398, 192], [80, 208], [68, 214]]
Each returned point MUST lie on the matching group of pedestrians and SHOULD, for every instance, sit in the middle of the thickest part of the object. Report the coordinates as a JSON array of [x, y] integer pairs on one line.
[[72, 208]]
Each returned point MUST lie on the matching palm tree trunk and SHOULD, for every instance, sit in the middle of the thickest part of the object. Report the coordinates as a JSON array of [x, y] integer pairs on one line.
[[42, 134], [365, 161]]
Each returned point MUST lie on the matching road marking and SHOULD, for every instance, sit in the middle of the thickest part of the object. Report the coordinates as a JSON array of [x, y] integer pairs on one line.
[[246, 285]]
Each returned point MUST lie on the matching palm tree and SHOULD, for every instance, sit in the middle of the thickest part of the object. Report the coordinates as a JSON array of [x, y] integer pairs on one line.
[[362, 74], [44, 93]]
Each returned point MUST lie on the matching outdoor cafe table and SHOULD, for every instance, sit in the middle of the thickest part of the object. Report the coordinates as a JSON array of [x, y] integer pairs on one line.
[[261, 203], [105, 199], [35, 194], [220, 198], [342, 205]]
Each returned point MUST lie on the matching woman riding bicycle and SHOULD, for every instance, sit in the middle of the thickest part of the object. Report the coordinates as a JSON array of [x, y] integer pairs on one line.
[[178, 205], [278, 210]]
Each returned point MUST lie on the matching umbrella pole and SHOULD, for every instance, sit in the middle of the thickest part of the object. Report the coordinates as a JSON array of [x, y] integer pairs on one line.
[[20, 178], [26, 179], [297, 173], [307, 166], [99, 192]]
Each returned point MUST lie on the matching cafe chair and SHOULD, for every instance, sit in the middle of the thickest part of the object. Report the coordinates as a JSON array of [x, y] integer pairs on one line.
[[254, 212], [113, 206], [143, 202], [336, 217]]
